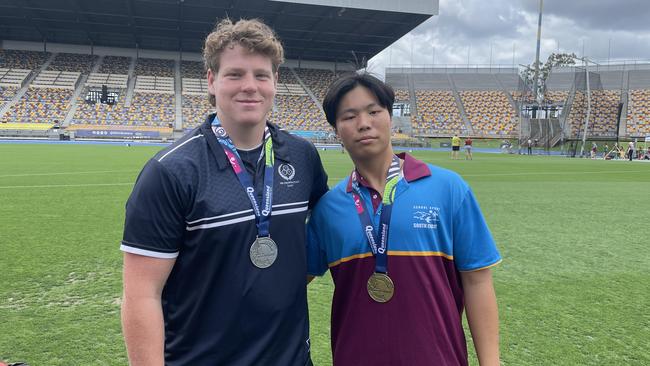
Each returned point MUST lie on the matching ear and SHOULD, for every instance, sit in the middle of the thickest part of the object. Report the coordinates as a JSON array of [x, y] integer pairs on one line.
[[211, 76]]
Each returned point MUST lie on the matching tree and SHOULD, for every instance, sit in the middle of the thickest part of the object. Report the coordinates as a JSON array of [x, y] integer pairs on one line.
[[554, 60]]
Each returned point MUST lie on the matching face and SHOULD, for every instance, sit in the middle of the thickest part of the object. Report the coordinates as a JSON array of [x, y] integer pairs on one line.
[[363, 125], [244, 87]]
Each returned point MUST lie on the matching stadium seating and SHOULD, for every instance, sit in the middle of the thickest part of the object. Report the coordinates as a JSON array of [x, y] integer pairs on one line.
[[99, 113], [16, 59], [154, 67], [6, 93], [195, 108], [192, 69], [402, 95], [73, 63], [556, 96], [489, 111], [152, 109], [638, 112], [317, 80], [438, 114], [40, 105], [115, 65], [603, 114], [298, 112]]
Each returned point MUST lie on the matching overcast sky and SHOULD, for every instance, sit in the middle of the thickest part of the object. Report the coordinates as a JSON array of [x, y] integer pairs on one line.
[[607, 29]]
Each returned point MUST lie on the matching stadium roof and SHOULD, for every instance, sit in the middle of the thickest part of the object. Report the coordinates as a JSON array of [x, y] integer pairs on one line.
[[309, 32]]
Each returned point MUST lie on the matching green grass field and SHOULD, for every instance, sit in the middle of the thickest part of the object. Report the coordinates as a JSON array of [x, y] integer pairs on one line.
[[573, 289]]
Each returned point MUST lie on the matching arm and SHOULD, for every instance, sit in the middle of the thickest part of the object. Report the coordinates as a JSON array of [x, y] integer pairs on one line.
[[142, 318], [482, 315]]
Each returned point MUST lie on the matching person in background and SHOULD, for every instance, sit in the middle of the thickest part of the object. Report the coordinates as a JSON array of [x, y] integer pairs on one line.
[[468, 148], [455, 146]]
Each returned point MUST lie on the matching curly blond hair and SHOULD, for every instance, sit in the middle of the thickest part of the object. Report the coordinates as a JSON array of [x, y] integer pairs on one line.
[[251, 34]]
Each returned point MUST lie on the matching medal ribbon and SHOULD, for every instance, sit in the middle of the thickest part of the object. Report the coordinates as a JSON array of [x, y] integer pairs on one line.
[[263, 216], [378, 239]]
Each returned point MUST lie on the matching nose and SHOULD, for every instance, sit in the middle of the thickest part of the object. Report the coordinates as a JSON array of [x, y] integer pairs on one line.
[[363, 121], [248, 83]]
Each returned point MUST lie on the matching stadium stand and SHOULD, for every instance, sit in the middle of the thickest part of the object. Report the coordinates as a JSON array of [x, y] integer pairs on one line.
[[438, 114], [13, 77], [402, 95], [73, 62], [6, 93], [317, 80], [195, 108], [154, 84], [115, 65], [93, 113], [40, 105], [192, 69], [298, 112], [638, 106], [638, 114], [110, 80], [489, 111], [151, 109], [17, 59], [154, 67]]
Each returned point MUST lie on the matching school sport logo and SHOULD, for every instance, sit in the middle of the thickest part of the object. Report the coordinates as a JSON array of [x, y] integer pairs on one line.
[[426, 217], [286, 171]]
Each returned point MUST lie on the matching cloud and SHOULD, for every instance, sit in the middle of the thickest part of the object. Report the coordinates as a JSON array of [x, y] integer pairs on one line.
[[505, 32]]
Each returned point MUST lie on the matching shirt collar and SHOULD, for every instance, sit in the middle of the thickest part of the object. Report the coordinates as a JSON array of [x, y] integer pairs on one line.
[[412, 169], [280, 145]]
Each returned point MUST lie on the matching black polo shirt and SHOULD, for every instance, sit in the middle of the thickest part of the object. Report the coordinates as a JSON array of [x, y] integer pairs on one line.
[[220, 309]]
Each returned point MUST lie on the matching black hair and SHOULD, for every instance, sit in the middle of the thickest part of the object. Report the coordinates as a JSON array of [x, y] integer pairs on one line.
[[341, 86]]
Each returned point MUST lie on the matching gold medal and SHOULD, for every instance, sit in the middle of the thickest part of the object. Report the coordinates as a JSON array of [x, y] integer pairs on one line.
[[380, 287]]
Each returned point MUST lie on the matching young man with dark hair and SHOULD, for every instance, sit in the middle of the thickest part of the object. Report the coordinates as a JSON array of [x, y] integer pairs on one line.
[[406, 245], [214, 236]]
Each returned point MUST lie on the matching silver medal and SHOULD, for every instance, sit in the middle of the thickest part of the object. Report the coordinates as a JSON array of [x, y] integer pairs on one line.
[[263, 252]]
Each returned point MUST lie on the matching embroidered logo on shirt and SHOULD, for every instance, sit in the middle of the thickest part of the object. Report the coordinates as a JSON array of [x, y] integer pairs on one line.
[[426, 217], [287, 172]]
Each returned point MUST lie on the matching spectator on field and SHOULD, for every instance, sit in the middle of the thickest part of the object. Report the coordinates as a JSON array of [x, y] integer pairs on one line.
[[468, 148], [214, 251], [529, 144], [390, 308], [594, 149], [455, 146], [630, 150]]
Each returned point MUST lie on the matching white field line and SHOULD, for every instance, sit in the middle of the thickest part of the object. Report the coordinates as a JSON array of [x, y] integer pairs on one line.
[[70, 185], [67, 173]]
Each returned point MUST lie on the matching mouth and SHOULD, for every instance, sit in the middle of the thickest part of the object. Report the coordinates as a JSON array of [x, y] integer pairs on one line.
[[366, 139], [249, 102]]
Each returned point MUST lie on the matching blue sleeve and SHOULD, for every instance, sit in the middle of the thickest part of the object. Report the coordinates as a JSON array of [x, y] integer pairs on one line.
[[154, 224], [316, 255], [474, 247]]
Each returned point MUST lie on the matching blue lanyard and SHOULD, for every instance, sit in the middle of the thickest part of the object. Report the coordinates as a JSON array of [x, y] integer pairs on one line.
[[263, 216], [378, 239]]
